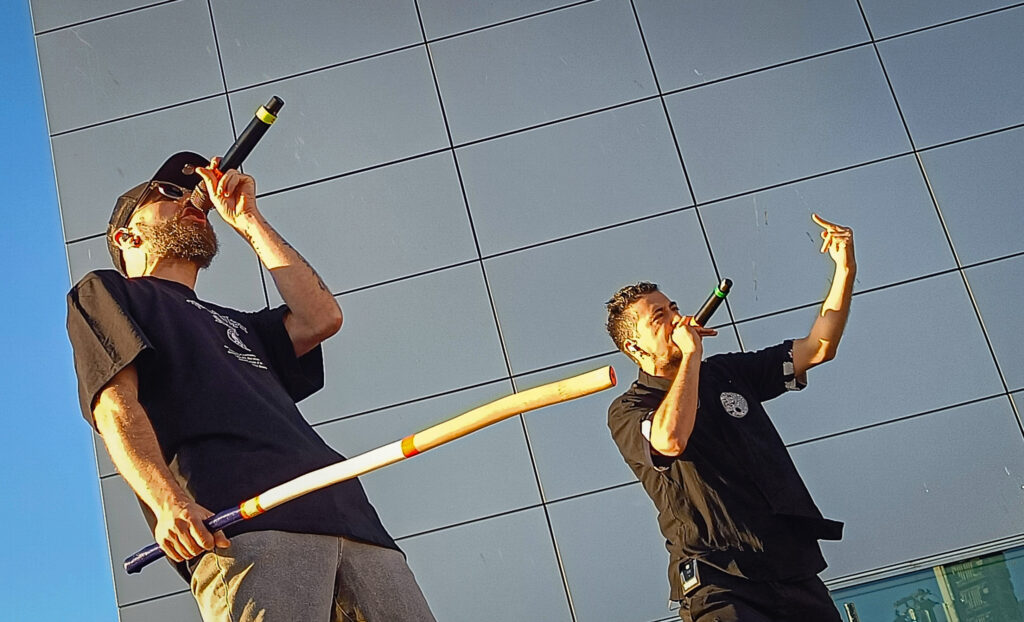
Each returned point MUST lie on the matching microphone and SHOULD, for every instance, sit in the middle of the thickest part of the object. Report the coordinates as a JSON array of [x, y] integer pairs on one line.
[[712, 303], [261, 122]]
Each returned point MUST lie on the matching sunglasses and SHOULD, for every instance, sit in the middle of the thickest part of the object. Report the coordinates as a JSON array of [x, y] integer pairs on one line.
[[174, 192]]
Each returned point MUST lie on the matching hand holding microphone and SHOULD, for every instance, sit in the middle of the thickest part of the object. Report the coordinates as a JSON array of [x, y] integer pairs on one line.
[[688, 331], [233, 194], [258, 126], [688, 337]]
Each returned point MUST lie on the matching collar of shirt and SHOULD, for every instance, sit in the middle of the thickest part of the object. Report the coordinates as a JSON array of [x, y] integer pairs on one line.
[[653, 382]]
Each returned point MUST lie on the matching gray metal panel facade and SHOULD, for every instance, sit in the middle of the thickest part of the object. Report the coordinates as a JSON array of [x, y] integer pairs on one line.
[[475, 179]]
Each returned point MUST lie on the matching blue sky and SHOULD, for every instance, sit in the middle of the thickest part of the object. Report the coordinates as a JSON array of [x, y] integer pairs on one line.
[[54, 563]]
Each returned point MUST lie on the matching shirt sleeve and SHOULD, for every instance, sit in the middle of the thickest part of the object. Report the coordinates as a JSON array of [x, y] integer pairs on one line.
[[769, 372], [104, 337], [301, 376], [630, 425]]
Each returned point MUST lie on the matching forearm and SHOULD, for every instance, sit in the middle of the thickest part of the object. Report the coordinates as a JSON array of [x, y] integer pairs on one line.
[[315, 314], [134, 450], [827, 330], [673, 422], [132, 445]]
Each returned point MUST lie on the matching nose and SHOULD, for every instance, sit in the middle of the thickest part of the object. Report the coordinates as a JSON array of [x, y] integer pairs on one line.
[[184, 202]]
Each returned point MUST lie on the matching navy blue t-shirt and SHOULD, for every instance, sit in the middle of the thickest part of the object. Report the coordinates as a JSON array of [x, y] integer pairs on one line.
[[219, 387]]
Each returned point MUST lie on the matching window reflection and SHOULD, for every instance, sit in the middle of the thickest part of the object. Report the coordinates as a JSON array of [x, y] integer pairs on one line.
[[981, 589]]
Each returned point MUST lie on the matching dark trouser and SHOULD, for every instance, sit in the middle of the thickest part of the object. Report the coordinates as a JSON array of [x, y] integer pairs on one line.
[[723, 597]]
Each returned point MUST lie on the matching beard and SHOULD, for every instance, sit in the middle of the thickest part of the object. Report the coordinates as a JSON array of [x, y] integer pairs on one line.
[[672, 358], [187, 240]]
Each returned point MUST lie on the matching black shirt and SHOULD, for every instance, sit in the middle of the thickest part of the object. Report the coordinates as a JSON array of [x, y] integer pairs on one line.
[[733, 498], [219, 387]]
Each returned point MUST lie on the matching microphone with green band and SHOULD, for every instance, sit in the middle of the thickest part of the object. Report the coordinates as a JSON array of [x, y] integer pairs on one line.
[[258, 126], [711, 304]]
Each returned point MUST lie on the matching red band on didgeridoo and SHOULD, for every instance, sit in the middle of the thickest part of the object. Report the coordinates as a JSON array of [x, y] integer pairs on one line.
[[251, 508], [409, 447]]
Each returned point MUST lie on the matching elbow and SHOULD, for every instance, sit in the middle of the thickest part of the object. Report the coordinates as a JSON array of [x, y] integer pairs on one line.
[[330, 323], [328, 320], [823, 357], [824, 352], [828, 351], [335, 321], [668, 446]]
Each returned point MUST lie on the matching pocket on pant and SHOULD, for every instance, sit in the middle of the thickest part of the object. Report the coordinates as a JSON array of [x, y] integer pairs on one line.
[[685, 613]]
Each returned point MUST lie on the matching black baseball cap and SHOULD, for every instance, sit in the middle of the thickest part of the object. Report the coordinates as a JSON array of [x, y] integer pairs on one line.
[[179, 169]]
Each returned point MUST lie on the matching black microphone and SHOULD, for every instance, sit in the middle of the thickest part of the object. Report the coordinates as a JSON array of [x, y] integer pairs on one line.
[[261, 122], [712, 303]]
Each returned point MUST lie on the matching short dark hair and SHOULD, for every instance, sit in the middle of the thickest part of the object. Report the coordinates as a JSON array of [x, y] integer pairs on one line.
[[621, 321]]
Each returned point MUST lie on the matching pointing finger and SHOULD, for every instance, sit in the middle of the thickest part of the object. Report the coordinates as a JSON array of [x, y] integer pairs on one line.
[[821, 222], [205, 173], [826, 225], [211, 176]]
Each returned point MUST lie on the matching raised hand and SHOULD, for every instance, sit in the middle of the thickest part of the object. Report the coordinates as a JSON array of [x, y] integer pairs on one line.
[[688, 336], [837, 240], [232, 193]]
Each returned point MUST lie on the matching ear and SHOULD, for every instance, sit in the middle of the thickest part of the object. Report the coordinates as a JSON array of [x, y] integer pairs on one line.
[[632, 349], [124, 236]]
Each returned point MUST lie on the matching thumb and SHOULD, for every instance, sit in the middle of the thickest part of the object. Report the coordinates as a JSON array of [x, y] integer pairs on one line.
[[220, 540]]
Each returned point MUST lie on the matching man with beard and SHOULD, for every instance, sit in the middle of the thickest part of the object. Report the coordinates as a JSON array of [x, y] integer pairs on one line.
[[195, 403], [740, 526]]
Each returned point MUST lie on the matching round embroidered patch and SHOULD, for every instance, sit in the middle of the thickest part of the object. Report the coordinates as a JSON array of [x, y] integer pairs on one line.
[[734, 404]]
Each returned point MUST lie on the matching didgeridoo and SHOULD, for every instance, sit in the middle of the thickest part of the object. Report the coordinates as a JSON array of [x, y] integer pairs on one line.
[[456, 427]]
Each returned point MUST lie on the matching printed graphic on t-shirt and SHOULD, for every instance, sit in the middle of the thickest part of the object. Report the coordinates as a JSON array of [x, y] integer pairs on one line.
[[232, 330], [735, 404]]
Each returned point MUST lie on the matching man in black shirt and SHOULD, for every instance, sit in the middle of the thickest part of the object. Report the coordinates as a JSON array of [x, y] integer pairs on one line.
[[196, 405], [740, 526]]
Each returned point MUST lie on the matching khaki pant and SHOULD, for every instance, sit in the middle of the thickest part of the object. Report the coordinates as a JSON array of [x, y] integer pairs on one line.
[[275, 576]]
